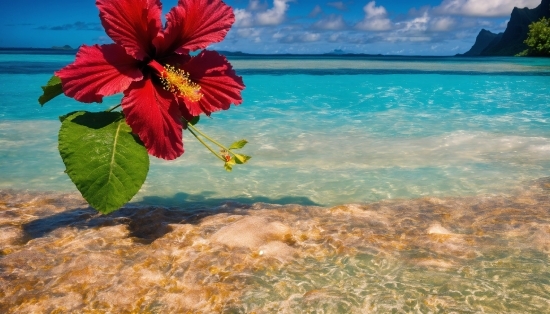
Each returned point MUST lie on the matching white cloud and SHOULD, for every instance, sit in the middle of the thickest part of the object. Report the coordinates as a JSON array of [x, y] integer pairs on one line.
[[414, 39], [255, 5], [412, 30], [334, 37], [338, 5], [331, 22], [416, 25], [504, 24], [488, 8], [275, 15], [243, 18], [442, 24], [248, 32], [309, 37], [316, 11], [258, 14], [306, 37], [376, 18]]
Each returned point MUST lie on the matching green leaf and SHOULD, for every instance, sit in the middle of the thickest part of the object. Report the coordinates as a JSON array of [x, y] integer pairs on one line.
[[241, 159], [107, 163], [51, 90], [229, 165], [238, 145], [65, 116], [195, 120]]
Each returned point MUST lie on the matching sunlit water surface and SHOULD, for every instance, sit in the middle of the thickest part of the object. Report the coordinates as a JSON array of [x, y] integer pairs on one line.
[[376, 185]]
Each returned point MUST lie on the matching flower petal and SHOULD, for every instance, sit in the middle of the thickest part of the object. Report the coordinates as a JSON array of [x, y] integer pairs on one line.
[[184, 111], [174, 59], [153, 115], [194, 24], [99, 71], [219, 83], [133, 24]]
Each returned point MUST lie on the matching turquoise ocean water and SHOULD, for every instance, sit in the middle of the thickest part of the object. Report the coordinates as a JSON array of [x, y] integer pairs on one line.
[[322, 130], [376, 185]]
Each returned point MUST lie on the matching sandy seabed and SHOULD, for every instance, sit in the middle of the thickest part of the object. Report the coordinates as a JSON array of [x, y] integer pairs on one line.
[[487, 253]]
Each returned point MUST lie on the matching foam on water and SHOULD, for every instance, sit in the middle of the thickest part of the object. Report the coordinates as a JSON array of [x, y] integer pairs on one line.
[[456, 163]]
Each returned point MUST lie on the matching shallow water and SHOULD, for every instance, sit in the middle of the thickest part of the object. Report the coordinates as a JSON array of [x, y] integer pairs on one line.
[[421, 127], [379, 184], [486, 253]]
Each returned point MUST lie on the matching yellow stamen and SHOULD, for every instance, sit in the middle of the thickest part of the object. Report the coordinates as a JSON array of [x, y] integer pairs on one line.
[[177, 81]]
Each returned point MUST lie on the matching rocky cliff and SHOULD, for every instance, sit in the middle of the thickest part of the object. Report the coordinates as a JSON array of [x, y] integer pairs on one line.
[[510, 42], [483, 40]]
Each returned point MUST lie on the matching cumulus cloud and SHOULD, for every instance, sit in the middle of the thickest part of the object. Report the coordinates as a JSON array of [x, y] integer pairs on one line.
[[309, 37], [316, 11], [485, 8], [414, 39], [278, 35], [332, 22], [442, 24], [257, 14], [412, 30], [275, 15], [335, 37], [255, 5], [248, 32], [338, 5], [376, 18], [416, 25], [243, 18], [306, 37]]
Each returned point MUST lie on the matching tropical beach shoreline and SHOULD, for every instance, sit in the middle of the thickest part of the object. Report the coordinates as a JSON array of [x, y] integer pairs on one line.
[[376, 184], [428, 254], [157, 172]]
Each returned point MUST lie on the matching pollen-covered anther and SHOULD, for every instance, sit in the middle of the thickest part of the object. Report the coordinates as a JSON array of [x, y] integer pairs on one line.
[[177, 81]]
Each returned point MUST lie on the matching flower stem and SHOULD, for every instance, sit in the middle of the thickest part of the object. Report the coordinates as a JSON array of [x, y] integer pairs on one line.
[[208, 138], [203, 143], [109, 110]]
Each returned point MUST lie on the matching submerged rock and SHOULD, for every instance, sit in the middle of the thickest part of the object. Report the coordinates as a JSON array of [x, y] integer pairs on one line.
[[250, 232], [437, 229]]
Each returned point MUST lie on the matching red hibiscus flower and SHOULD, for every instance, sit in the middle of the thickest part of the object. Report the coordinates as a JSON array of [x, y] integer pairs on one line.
[[161, 82]]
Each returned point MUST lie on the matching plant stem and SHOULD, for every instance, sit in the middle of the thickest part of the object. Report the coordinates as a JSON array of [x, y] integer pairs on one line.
[[203, 143], [208, 138], [109, 110]]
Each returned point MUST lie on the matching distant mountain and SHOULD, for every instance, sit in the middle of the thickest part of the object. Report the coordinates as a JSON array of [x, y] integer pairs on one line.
[[511, 41], [483, 40], [66, 47], [336, 52]]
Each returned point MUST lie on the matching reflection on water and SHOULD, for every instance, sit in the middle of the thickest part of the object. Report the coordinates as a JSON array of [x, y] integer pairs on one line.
[[472, 254]]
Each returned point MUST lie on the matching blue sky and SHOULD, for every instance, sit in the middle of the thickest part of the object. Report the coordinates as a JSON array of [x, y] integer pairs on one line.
[[415, 27]]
